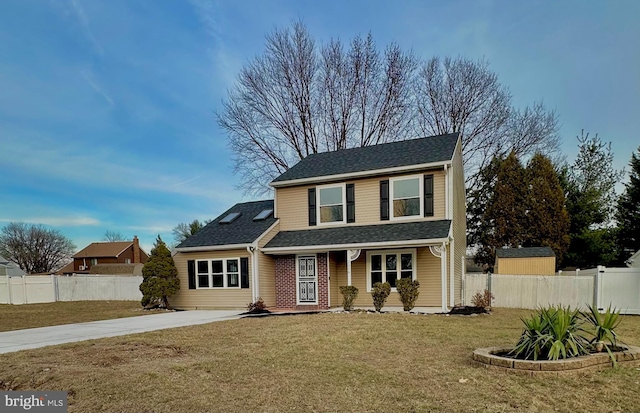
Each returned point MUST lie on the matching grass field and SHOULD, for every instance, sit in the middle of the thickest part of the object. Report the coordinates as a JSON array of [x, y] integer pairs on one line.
[[18, 317], [321, 362]]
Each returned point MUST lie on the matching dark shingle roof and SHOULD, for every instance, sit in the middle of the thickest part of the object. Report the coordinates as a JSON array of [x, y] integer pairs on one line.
[[243, 230], [527, 252], [405, 231], [387, 155]]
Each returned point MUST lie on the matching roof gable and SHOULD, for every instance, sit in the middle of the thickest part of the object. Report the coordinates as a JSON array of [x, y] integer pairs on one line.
[[242, 230], [405, 153], [527, 252], [103, 249]]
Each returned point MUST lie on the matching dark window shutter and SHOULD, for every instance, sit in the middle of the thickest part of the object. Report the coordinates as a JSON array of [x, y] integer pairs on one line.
[[244, 272], [428, 195], [351, 203], [312, 206], [384, 200], [191, 270]]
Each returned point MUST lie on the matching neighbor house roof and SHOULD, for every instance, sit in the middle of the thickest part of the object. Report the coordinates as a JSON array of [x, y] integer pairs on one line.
[[344, 236], [433, 149], [103, 249], [527, 252], [10, 268], [244, 229]]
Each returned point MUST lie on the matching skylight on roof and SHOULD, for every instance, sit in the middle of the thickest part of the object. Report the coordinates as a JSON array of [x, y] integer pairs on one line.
[[230, 218], [264, 214]]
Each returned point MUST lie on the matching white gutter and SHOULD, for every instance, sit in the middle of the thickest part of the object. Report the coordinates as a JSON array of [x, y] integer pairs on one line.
[[338, 247], [359, 174], [213, 248], [255, 288], [443, 271]]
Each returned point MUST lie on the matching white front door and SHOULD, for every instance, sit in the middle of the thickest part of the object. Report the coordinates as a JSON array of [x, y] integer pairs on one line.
[[307, 280]]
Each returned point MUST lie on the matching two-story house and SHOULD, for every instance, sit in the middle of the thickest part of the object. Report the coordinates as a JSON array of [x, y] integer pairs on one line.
[[350, 217], [119, 257]]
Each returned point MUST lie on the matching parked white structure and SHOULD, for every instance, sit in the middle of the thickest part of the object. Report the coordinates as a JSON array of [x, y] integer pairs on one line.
[[600, 287]]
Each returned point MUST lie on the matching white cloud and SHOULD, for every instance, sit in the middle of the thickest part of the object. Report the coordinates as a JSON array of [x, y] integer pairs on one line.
[[57, 221], [86, 25], [96, 88]]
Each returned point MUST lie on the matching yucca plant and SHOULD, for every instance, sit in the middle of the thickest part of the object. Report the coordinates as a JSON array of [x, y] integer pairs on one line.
[[604, 328], [552, 333]]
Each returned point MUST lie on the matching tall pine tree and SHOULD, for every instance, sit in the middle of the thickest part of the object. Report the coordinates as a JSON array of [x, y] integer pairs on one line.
[[160, 277], [547, 222], [590, 192], [628, 211]]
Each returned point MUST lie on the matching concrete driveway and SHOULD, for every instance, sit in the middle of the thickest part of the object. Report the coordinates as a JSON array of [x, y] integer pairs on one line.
[[48, 336]]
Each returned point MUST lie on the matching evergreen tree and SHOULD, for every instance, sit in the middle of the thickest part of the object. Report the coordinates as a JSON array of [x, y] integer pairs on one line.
[[504, 222], [590, 196], [547, 223], [160, 277], [628, 211]]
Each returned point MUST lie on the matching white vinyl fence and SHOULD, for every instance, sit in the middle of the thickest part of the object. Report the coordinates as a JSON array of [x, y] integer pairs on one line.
[[600, 287], [47, 289]]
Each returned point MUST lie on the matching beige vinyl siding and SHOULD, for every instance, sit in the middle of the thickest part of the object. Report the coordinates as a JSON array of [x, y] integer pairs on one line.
[[267, 269], [459, 222], [211, 298], [428, 273], [526, 266], [293, 209], [267, 277]]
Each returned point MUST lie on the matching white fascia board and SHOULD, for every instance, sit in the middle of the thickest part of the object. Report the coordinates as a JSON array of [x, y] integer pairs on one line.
[[368, 245], [255, 243], [213, 248], [359, 174]]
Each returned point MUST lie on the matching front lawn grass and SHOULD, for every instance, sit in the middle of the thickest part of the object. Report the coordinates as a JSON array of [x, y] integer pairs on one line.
[[18, 317], [320, 362]]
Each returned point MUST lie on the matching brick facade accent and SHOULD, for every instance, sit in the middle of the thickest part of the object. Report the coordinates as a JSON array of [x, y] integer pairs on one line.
[[286, 283]]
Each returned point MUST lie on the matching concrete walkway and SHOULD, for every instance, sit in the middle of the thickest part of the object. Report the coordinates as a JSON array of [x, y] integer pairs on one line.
[[17, 340]]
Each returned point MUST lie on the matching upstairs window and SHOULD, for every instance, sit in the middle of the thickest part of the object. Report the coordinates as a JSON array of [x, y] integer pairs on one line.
[[406, 193], [331, 204]]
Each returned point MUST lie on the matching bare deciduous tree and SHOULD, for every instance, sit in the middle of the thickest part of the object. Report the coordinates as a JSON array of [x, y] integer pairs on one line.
[[35, 248], [182, 231], [113, 236], [296, 100]]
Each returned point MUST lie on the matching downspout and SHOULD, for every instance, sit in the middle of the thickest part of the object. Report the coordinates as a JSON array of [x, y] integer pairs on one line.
[[255, 290], [452, 280], [328, 282], [443, 270]]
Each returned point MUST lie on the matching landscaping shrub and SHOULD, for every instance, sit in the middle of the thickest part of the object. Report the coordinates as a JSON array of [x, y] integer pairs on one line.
[[380, 293], [483, 300], [603, 328], [408, 291], [554, 333], [349, 294], [257, 306]]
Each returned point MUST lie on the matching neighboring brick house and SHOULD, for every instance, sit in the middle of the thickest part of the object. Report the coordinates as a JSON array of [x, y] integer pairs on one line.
[[121, 257], [525, 261], [349, 217]]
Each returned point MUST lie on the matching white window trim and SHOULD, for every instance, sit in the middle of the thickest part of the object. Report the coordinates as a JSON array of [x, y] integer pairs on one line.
[[420, 197], [343, 186], [315, 257], [224, 274], [414, 262]]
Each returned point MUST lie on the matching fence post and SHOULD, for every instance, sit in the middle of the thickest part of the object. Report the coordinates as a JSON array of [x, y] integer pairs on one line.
[[489, 281], [596, 287], [53, 287], [24, 288], [9, 287]]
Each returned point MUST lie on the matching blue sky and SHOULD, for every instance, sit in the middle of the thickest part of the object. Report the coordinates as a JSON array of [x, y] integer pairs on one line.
[[107, 107]]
